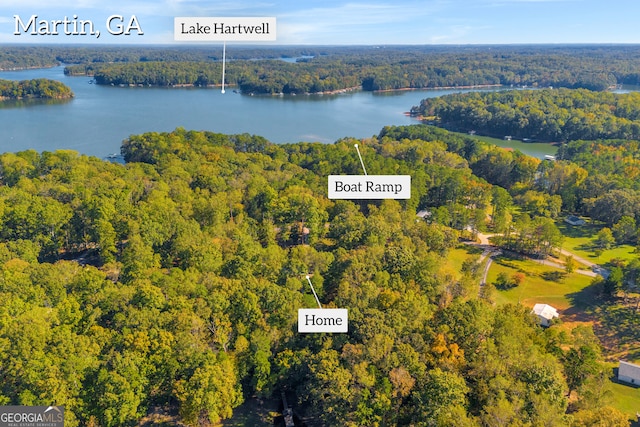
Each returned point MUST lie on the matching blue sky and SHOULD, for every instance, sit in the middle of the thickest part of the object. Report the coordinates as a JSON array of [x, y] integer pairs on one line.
[[371, 22]]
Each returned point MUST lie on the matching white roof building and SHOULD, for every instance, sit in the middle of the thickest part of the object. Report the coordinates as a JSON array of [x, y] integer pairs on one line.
[[629, 373], [574, 220], [545, 313]]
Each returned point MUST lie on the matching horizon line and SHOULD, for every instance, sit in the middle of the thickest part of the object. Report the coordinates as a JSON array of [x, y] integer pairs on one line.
[[272, 45]]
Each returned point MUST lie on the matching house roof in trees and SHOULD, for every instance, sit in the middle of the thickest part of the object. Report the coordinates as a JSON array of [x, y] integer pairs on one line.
[[545, 311], [574, 220]]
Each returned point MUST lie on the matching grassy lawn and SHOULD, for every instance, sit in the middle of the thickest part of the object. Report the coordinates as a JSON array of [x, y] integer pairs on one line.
[[626, 399], [579, 240], [616, 325], [456, 257], [536, 149], [541, 284]]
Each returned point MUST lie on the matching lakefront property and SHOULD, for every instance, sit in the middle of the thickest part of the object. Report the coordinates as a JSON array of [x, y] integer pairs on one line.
[[164, 285]]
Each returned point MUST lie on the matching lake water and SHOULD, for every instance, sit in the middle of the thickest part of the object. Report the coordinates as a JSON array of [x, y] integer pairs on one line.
[[99, 117]]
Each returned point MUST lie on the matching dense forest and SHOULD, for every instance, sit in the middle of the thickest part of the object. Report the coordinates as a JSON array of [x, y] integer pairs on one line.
[[170, 284], [598, 179], [36, 88], [21, 57], [383, 68], [615, 161], [38, 56], [546, 114], [268, 76], [336, 68]]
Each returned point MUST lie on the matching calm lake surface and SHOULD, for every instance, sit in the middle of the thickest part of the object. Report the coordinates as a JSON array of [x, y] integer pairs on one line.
[[99, 117]]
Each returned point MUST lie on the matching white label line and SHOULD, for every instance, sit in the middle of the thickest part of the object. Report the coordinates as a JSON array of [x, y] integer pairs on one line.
[[360, 156], [224, 60], [313, 290]]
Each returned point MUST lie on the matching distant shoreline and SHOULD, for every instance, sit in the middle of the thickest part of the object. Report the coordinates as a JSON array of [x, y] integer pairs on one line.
[[233, 85], [439, 88], [45, 67], [328, 92]]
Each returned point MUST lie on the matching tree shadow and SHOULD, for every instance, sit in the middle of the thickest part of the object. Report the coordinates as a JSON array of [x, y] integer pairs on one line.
[[473, 250], [614, 323], [554, 276], [508, 260], [583, 303], [509, 263], [587, 248], [619, 324], [587, 230], [634, 354]]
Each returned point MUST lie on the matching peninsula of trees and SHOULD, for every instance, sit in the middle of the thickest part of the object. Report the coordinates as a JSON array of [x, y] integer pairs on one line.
[[36, 88], [373, 69], [546, 114], [38, 56], [321, 69]]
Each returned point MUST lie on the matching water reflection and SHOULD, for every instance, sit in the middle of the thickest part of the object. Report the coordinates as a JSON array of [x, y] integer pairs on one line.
[[22, 103]]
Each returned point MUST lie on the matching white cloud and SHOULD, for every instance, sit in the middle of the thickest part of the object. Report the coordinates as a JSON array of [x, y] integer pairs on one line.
[[350, 22], [160, 8], [200, 8], [520, 2], [59, 4], [353, 14]]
